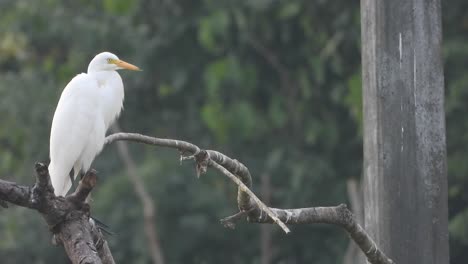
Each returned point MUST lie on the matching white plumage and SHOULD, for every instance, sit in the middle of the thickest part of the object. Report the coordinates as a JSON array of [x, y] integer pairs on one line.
[[87, 107]]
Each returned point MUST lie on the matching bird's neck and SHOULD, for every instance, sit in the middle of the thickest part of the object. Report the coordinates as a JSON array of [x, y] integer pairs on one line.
[[103, 76]]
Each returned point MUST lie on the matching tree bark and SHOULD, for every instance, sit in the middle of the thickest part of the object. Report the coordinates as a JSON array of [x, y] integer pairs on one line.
[[405, 177], [77, 240], [68, 218]]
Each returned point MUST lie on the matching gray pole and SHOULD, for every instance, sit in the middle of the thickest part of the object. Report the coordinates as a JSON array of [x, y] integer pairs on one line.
[[405, 171]]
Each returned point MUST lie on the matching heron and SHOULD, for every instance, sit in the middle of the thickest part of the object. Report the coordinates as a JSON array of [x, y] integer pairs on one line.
[[88, 106]]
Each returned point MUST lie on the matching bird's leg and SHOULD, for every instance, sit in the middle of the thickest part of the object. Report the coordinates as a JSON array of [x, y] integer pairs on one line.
[[72, 178], [88, 199], [71, 174], [98, 223]]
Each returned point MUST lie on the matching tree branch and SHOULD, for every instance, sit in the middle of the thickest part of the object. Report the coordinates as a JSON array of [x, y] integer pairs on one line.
[[337, 215], [15, 194], [68, 218], [252, 207], [101, 245], [242, 188], [355, 196]]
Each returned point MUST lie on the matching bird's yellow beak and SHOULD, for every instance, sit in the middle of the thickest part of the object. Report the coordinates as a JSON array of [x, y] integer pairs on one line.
[[125, 65]]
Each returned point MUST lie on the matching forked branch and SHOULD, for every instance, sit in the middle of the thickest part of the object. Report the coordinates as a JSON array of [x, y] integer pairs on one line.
[[253, 208], [67, 218]]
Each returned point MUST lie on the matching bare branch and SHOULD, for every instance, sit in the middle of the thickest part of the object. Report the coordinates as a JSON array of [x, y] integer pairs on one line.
[[202, 158], [353, 253], [337, 215], [101, 245], [75, 234], [68, 218], [15, 194], [244, 188], [229, 222], [253, 208], [232, 165], [84, 188], [162, 142]]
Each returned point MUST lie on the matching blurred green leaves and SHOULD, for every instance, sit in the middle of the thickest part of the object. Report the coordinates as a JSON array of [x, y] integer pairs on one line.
[[12, 46], [212, 30], [211, 76], [290, 10], [205, 81], [120, 7], [354, 97]]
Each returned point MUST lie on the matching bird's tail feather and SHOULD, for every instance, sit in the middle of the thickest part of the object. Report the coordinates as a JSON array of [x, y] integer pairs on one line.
[[103, 227], [59, 179]]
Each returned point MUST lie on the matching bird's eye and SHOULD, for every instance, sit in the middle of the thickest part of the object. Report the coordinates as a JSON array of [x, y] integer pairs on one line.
[[109, 60]]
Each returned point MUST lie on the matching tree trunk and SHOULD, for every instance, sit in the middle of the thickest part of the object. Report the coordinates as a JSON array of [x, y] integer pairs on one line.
[[405, 177]]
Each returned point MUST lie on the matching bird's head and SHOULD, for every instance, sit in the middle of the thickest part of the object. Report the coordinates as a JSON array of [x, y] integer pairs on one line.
[[107, 61]]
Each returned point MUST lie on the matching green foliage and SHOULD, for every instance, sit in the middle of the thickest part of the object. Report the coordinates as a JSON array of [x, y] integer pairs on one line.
[[275, 84], [212, 28], [119, 7], [354, 97], [455, 51]]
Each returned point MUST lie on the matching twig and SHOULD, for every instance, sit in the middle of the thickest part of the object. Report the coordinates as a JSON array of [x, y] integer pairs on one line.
[[229, 221], [208, 158], [244, 188]]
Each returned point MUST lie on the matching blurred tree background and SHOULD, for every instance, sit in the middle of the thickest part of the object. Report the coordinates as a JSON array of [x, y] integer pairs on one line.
[[273, 83]]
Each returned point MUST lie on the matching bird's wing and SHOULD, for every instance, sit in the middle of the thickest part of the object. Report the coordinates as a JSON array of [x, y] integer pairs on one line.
[[73, 122]]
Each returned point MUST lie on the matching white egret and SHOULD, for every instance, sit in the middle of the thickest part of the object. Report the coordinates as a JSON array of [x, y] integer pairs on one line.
[[87, 107]]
